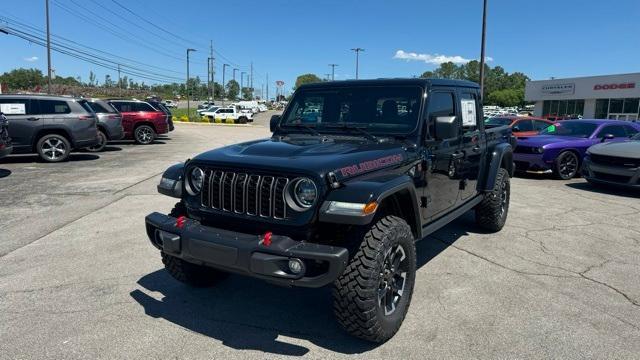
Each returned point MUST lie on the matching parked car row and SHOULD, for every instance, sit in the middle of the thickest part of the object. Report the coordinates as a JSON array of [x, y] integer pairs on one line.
[[53, 126]]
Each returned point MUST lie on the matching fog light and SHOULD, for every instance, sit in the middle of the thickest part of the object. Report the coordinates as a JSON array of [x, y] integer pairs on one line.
[[296, 266]]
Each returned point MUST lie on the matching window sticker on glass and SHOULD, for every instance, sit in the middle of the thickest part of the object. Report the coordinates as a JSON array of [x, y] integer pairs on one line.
[[551, 129], [468, 107], [13, 109]]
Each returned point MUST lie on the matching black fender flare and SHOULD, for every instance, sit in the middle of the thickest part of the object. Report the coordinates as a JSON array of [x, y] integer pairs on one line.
[[376, 189], [171, 181], [501, 156]]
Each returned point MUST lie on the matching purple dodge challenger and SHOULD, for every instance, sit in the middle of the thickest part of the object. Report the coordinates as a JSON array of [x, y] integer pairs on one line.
[[560, 148]]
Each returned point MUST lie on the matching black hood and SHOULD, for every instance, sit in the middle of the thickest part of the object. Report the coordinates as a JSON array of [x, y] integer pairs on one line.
[[309, 155]]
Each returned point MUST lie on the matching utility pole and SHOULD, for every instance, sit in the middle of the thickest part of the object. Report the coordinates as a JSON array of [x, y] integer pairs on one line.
[[328, 77], [484, 33], [119, 80], [251, 79], [267, 86], [48, 48], [188, 94], [333, 71], [213, 71], [234, 73], [357, 50]]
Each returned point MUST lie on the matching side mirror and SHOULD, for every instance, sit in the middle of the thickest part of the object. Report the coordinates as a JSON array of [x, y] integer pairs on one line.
[[446, 127], [607, 137], [273, 124]]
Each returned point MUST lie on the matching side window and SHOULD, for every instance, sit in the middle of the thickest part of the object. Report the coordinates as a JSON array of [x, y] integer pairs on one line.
[[615, 130], [540, 125], [523, 125], [15, 107], [143, 107], [53, 107], [469, 111], [123, 106], [440, 104], [630, 130]]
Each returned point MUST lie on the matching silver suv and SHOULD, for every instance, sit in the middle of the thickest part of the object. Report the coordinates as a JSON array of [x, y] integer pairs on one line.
[[109, 123], [50, 126]]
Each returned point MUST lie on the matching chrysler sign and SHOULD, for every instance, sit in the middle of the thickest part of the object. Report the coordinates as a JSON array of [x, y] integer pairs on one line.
[[569, 88], [630, 85]]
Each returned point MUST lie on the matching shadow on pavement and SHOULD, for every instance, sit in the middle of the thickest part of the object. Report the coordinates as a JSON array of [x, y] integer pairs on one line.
[[133, 143], [249, 314], [23, 159], [605, 189], [4, 173]]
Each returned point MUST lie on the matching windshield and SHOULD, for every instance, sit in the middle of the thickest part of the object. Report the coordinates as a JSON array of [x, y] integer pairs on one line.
[[570, 128], [498, 121], [389, 109]]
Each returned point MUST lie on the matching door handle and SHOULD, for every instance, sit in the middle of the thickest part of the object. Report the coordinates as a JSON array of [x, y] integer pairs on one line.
[[457, 155], [33, 119]]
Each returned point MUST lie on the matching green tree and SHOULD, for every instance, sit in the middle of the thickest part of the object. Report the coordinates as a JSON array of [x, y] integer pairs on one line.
[[247, 93], [22, 79], [233, 89], [506, 97], [307, 79]]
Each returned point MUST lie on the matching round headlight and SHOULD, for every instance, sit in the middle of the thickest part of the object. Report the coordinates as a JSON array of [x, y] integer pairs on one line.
[[196, 179], [540, 150], [305, 192]]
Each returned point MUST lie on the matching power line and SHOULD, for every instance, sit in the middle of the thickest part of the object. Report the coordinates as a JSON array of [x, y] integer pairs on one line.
[[29, 27]]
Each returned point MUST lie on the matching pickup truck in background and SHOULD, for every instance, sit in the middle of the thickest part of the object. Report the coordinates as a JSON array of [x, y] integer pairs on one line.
[[355, 173], [228, 115]]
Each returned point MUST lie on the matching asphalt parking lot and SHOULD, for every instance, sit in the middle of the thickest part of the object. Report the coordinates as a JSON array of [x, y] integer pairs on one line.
[[79, 279]]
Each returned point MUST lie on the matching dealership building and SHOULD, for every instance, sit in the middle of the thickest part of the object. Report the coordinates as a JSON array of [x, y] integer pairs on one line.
[[593, 97]]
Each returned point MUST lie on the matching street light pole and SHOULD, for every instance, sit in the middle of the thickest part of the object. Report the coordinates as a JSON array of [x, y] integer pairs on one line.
[[357, 50], [224, 86], [188, 97], [333, 71], [241, 82], [48, 49], [234, 75], [482, 46]]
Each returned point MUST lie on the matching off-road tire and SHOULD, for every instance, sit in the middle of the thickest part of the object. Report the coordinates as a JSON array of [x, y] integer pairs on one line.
[[144, 134], [53, 148], [356, 301], [563, 161], [491, 213], [191, 274], [103, 143]]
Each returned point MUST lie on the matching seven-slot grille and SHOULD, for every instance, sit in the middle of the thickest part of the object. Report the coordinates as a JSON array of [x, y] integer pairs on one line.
[[243, 193]]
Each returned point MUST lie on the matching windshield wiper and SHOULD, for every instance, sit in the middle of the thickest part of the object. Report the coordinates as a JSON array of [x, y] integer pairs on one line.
[[303, 126], [348, 126]]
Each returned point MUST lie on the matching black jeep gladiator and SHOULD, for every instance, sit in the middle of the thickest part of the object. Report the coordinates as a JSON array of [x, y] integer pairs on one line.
[[355, 173]]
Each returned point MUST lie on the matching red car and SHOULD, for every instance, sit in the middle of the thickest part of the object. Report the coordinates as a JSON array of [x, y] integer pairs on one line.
[[521, 126], [141, 121]]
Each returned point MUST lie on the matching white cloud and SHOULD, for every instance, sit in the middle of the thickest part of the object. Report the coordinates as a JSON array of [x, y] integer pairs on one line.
[[31, 59], [435, 59]]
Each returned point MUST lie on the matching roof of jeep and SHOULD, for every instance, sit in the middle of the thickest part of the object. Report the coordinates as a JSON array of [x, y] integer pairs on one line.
[[396, 81], [40, 96]]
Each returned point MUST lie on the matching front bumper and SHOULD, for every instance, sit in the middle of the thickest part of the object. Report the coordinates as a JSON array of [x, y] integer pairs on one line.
[[532, 163], [611, 175], [245, 254]]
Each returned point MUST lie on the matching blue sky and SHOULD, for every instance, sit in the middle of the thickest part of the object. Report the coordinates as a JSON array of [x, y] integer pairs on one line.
[[286, 38]]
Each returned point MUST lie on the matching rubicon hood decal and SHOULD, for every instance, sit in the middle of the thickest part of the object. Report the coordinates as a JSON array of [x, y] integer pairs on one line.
[[366, 166]]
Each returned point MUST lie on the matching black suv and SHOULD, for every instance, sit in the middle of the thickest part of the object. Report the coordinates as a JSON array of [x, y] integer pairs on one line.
[[355, 173], [51, 126]]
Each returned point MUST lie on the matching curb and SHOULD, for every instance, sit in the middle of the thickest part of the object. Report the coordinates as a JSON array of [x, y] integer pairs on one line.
[[211, 124]]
